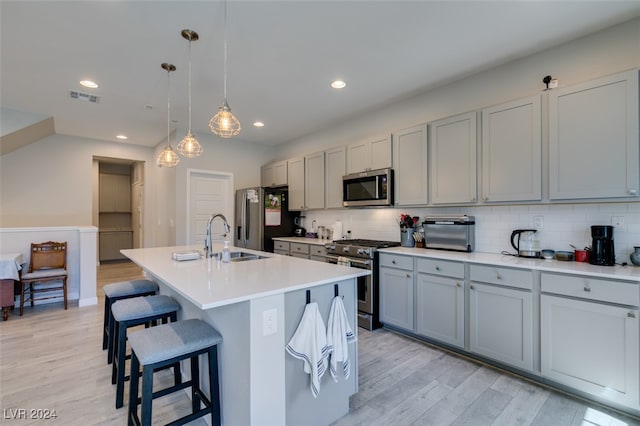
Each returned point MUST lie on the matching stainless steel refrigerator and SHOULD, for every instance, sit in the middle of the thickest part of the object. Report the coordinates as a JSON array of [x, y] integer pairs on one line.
[[260, 215]]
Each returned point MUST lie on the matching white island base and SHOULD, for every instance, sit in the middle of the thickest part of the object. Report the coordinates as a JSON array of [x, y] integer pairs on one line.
[[256, 306]]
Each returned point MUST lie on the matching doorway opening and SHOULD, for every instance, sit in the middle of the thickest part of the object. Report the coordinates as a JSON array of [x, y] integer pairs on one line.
[[208, 192], [118, 206]]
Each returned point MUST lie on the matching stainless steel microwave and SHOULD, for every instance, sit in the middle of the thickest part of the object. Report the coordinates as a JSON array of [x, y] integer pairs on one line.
[[368, 188]]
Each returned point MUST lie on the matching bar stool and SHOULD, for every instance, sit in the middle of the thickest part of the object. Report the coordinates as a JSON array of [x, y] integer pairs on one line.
[[158, 347], [118, 291], [130, 313]]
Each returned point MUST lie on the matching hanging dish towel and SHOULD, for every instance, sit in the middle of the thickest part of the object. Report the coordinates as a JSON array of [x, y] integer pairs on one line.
[[309, 343], [339, 333]]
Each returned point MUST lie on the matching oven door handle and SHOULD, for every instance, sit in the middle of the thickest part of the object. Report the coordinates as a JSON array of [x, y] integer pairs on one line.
[[365, 263], [354, 262]]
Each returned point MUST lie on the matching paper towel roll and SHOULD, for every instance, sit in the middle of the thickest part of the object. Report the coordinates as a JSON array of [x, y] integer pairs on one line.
[[337, 230]]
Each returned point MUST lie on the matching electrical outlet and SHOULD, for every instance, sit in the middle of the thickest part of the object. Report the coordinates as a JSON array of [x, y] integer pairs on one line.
[[617, 220], [269, 322], [538, 222]]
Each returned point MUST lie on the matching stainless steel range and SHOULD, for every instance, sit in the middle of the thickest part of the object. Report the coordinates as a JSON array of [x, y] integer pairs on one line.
[[362, 254]]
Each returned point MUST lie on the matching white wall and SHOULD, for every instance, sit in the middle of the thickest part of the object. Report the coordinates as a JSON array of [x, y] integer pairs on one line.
[[606, 52]]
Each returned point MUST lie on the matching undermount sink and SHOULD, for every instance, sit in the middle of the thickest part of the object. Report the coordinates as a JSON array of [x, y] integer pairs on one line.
[[241, 256]]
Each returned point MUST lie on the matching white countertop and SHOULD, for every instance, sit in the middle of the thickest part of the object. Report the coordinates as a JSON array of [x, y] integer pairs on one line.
[[209, 284], [303, 240], [629, 272]]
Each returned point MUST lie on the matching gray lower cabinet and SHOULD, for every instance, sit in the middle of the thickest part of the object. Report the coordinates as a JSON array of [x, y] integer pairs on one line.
[[590, 336], [501, 315], [440, 301], [281, 247], [396, 291]]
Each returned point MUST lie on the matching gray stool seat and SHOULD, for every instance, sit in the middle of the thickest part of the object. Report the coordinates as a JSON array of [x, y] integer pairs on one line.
[[118, 291], [171, 340], [129, 288], [159, 347], [133, 312], [137, 307]]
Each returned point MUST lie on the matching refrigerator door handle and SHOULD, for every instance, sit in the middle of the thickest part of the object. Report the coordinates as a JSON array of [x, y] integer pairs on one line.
[[247, 218], [242, 236]]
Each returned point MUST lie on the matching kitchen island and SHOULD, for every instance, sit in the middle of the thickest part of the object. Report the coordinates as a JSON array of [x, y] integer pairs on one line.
[[256, 305]]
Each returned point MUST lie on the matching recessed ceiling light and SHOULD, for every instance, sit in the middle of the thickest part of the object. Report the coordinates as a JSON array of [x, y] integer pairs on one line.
[[338, 84], [258, 124], [90, 84], [122, 137]]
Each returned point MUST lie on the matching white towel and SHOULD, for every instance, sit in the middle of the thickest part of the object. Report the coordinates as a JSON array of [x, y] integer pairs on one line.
[[309, 343], [339, 333]]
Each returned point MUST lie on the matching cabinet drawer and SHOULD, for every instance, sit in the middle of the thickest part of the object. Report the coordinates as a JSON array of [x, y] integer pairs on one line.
[[520, 278], [395, 261], [622, 292], [315, 250], [441, 267], [281, 245], [299, 248]]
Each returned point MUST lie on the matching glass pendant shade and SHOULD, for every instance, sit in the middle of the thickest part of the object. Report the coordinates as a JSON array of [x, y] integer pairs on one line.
[[189, 146], [224, 123], [168, 157]]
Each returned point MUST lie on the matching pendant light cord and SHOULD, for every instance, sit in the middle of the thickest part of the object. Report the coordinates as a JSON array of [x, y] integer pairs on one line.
[[189, 84], [225, 50], [168, 109]]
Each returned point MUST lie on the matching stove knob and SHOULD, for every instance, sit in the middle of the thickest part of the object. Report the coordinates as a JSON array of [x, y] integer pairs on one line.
[[363, 252], [345, 249]]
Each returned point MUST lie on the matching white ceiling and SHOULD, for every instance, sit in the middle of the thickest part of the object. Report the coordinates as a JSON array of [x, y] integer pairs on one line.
[[281, 57]]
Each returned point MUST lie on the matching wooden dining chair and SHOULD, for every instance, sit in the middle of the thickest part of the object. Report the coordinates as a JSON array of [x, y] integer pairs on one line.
[[47, 273]]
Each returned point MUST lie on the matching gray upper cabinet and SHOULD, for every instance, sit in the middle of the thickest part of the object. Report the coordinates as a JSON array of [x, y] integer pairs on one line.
[[410, 166], [274, 174], [115, 193], [511, 151], [593, 139], [335, 168], [452, 159], [371, 154], [314, 181], [295, 168]]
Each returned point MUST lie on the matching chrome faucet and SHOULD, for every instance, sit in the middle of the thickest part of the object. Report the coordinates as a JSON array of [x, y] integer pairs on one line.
[[207, 241]]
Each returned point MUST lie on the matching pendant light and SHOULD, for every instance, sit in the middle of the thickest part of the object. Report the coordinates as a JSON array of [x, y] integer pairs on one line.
[[189, 146], [168, 156], [224, 123]]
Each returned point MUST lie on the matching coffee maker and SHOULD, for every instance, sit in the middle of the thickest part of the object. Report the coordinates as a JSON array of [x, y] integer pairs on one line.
[[602, 251]]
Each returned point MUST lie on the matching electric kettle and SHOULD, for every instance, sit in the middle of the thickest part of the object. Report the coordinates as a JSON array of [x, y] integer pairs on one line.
[[525, 244]]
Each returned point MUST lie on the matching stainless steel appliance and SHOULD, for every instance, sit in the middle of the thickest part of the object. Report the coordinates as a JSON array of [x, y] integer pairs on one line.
[[602, 249], [368, 188], [251, 229], [457, 233], [362, 254], [526, 244]]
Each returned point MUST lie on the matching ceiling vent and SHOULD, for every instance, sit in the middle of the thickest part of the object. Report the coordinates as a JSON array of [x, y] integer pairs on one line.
[[74, 94]]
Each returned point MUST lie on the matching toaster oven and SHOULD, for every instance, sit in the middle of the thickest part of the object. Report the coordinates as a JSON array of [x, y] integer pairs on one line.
[[457, 233]]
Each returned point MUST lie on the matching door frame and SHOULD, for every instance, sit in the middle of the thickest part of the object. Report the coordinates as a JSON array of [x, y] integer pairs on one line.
[[229, 181]]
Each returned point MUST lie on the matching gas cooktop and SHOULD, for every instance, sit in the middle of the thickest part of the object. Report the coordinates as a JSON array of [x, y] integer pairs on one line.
[[367, 243]]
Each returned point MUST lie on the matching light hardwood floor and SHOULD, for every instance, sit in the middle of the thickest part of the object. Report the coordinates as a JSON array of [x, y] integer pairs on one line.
[[52, 359]]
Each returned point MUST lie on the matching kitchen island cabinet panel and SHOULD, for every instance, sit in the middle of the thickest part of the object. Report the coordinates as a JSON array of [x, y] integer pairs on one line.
[[512, 151], [593, 139], [501, 324], [592, 347], [453, 160]]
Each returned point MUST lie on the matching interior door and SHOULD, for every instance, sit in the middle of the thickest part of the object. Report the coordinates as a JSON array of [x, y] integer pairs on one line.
[[209, 193]]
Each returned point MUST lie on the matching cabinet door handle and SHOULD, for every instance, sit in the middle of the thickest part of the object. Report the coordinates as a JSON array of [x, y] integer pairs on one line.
[[473, 200], [485, 199], [631, 315], [499, 276], [437, 268], [393, 261], [632, 191], [408, 275], [471, 287], [458, 285], [587, 289]]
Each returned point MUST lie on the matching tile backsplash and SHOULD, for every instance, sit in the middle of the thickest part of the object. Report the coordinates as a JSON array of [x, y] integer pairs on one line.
[[562, 224]]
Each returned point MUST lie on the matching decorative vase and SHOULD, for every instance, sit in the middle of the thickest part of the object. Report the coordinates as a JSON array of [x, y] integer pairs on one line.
[[406, 237], [635, 256]]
